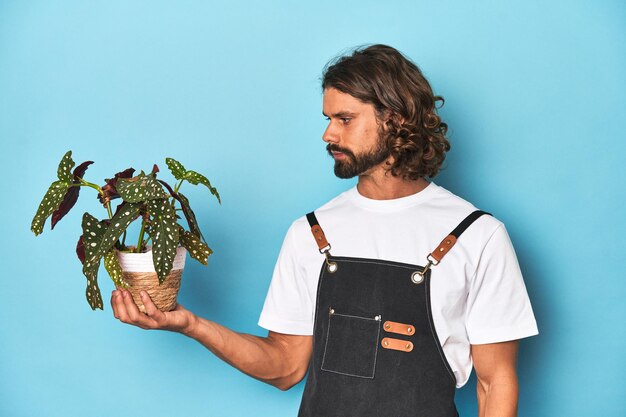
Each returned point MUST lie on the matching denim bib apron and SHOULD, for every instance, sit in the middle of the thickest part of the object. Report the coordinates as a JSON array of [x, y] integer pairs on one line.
[[375, 348]]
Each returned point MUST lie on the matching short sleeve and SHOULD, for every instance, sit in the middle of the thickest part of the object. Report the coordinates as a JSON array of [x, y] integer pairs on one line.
[[498, 307], [288, 305]]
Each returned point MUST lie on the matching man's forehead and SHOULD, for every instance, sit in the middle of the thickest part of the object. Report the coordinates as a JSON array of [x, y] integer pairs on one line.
[[335, 101]]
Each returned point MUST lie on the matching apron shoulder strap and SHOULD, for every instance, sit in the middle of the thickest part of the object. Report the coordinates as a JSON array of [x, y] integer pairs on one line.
[[448, 242], [318, 233]]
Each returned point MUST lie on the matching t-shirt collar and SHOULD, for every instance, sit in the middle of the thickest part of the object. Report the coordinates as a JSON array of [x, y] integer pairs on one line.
[[393, 204]]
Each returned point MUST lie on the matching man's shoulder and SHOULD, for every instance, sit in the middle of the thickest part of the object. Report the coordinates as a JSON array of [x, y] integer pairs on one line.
[[449, 208]]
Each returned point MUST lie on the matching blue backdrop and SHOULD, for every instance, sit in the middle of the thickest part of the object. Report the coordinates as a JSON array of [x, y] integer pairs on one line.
[[535, 97]]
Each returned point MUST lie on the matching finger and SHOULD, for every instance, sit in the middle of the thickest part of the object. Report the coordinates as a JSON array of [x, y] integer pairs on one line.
[[136, 317], [119, 309], [151, 309]]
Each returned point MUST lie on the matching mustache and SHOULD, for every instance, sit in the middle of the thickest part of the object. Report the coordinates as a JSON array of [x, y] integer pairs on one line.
[[330, 148]]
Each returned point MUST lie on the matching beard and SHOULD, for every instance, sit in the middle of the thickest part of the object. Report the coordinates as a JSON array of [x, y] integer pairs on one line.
[[355, 165]]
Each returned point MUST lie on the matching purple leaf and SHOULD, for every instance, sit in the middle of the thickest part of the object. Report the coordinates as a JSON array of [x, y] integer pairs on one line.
[[79, 171], [71, 196], [80, 250], [109, 191]]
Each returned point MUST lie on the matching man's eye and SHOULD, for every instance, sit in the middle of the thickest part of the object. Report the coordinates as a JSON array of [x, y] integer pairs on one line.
[[345, 120], [326, 118]]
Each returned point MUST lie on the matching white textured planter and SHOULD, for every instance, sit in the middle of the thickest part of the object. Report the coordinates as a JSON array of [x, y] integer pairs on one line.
[[138, 271]]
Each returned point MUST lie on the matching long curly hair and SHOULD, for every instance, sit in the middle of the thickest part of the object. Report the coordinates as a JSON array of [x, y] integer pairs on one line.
[[405, 105]]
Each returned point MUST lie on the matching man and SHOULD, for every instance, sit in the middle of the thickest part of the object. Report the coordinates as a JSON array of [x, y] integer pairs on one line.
[[394, 319]]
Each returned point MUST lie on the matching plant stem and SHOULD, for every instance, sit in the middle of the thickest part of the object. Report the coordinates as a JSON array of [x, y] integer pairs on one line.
[[99, 190], [176, 188], [140, 241]]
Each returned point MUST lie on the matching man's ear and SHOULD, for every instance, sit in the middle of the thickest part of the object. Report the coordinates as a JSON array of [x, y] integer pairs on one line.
[[395, 117], [390, 116]]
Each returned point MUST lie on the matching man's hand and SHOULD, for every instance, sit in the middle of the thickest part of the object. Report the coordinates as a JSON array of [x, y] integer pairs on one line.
[[497, 388], [124, 309], [278, 359]]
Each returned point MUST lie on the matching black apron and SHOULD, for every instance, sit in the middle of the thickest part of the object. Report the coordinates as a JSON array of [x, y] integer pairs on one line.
[[375, 348]]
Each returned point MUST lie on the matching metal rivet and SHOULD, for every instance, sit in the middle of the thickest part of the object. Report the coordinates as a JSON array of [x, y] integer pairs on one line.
[[408, 346], [332, 267], [386, 342], [387, 326], [332, 311], [417, 278], [410, 330], [441, 249], [448, 242], [377, 318]]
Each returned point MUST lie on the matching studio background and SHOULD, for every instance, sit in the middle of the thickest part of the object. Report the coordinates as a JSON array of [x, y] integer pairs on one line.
[[535, 103]]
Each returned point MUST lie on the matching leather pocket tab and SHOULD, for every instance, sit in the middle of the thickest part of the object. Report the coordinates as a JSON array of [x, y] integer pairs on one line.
[[397, 344], [399, 328]]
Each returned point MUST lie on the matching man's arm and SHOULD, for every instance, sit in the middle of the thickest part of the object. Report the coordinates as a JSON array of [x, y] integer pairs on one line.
[[278, 359], [497, 388]]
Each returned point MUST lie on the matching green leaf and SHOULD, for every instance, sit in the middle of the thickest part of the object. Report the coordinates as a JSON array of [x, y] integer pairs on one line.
[[189, 215], [195, 178], [178, 170], [94, 297], [64, 172], [55, 194], [164, 233], [197, 249], [114, 269], [93, 233], [51, 201], [140, 188], [97, 244]]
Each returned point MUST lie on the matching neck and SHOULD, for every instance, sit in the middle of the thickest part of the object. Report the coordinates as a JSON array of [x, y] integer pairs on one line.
[[383, 186]]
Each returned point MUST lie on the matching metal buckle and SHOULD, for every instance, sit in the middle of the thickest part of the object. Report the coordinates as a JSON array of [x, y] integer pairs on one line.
[[431, 262], [331, 266]]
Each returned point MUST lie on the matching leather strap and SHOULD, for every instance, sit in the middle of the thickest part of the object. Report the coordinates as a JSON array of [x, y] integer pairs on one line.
[[318, 233], [434, 257], [449, 241]]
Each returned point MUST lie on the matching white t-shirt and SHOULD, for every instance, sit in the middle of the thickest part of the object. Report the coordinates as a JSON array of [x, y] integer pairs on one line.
[[477, 291]]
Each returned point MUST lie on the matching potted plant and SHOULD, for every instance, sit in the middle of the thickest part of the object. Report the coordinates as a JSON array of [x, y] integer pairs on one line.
[[155, 268]]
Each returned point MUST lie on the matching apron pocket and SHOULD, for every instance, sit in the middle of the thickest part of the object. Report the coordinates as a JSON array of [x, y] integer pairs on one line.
[[351, 345]]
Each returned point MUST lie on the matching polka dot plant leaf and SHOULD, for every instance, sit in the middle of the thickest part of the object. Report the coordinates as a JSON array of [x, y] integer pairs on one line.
[[189, 215], [164, 232], [196, 248], [55, 194], [94, 297], [64, 172], [195, 179], [112, 265], [177, 169], [93, 233], [140, 188], [51, 201]]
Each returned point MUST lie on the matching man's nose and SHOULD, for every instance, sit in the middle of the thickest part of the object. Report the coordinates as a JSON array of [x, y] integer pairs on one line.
[[330, 134]]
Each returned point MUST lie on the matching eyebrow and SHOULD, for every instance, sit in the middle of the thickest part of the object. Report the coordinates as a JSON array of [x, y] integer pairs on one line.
[[341, 114]]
